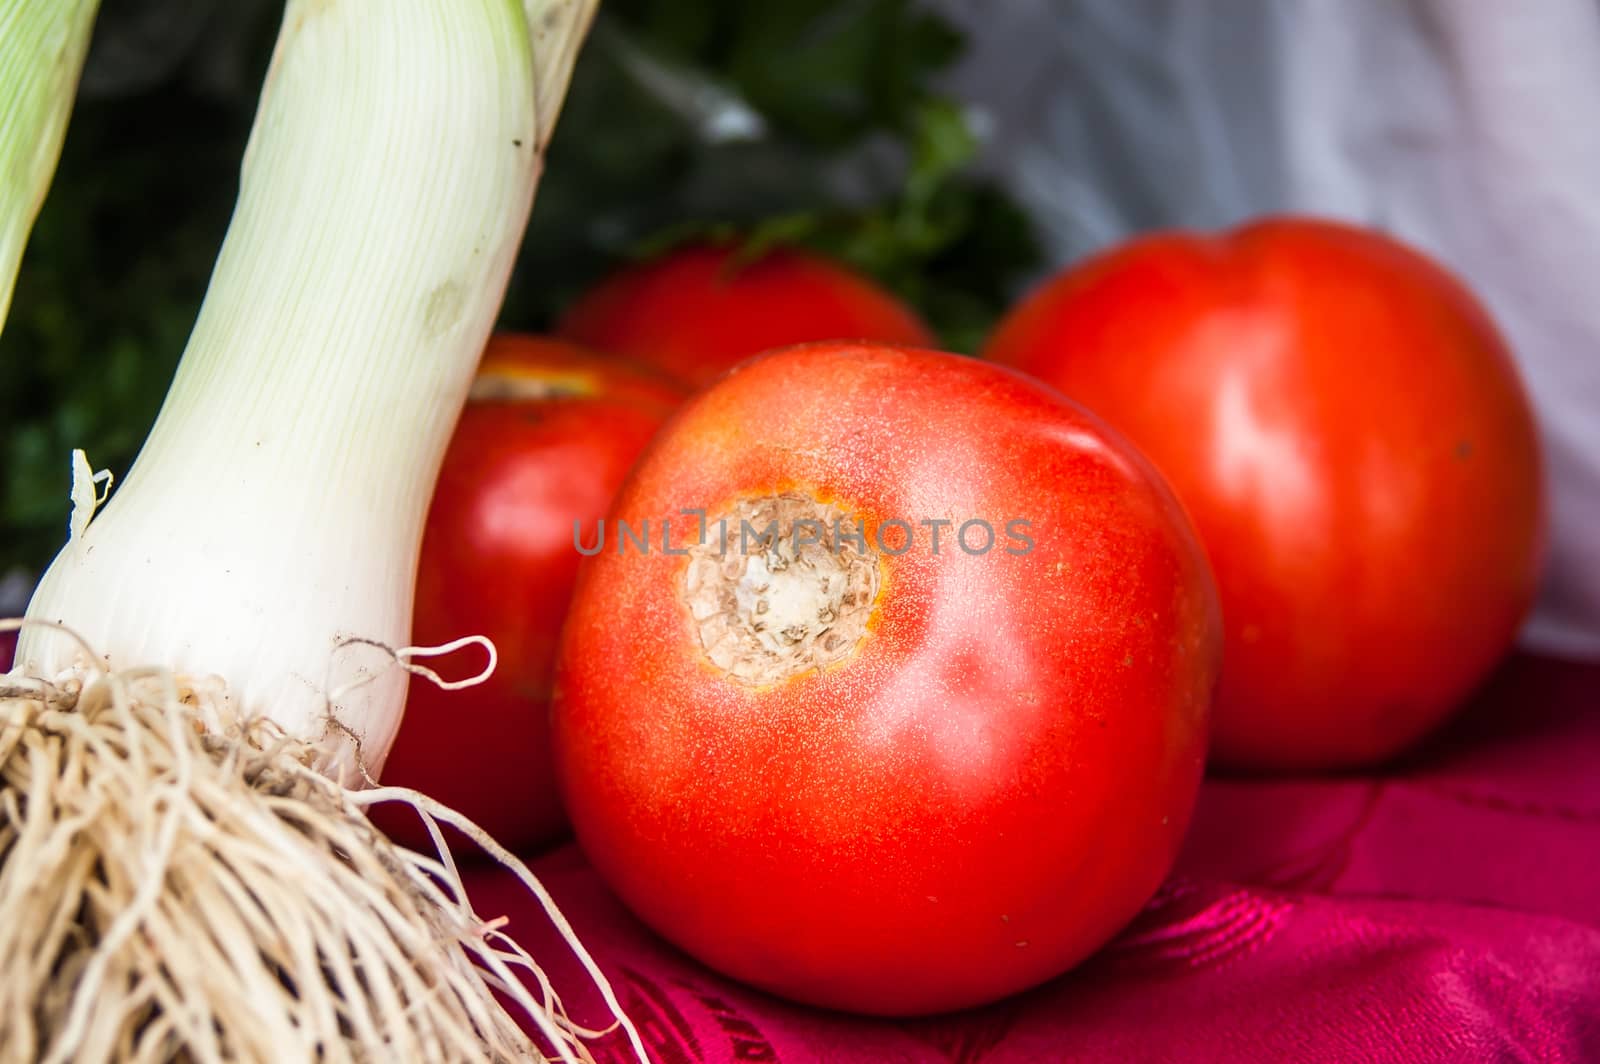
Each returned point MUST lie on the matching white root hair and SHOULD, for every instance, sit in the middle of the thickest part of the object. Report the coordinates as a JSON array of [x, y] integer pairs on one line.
[[173, 891]]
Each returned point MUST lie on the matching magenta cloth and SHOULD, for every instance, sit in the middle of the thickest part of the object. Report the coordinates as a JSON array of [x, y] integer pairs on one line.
[[1447, 909]]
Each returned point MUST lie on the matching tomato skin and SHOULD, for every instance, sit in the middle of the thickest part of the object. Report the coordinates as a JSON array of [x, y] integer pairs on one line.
[[1348, 430], [497, 559], [995, 781], [697, 310]]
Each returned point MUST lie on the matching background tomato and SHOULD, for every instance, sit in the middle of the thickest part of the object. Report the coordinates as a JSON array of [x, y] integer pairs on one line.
[[699, 309], [893, 779], [1349, 432], [545, 441]]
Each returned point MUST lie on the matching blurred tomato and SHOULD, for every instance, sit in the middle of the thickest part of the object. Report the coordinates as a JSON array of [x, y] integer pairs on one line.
[[1349, 432], [544, 442], [932, 731], [698, 310]]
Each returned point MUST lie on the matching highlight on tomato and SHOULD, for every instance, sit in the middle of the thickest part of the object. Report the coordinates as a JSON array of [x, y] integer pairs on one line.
[[1348, 430], [901, 706], [700, 309], [543, 444]]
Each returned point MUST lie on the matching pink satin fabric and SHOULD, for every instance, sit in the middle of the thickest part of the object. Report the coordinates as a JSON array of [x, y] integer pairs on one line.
[[1446, 909]]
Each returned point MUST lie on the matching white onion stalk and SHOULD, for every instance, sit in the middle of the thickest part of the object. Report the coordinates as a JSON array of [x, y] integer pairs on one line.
[[42, 45], [275, 511], [212, 660]]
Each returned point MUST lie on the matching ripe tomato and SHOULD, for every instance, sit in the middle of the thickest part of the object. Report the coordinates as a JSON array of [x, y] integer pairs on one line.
[[906, 774], [697, 310], [1350, 435], [545, 441]]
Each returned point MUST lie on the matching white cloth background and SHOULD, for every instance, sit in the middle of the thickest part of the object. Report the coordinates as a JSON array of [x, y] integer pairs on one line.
[[1470, 129]]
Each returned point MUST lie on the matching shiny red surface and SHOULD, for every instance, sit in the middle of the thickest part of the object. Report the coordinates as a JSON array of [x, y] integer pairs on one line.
[[498, 560], [696, 311], [1350, 435], [995, 782]]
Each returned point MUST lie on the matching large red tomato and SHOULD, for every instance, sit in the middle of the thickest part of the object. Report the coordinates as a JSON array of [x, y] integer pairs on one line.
[[545, 441], [1350, 435], [905, 774], [698, 310]]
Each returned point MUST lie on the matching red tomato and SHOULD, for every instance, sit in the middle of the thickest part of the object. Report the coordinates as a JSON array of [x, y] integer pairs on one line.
[[545, 442], [890, 777], [1349, 433], [696, 311]]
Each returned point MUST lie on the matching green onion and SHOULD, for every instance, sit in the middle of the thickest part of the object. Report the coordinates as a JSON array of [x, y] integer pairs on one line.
[[42, 45], [268, 531], [218, 656]]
